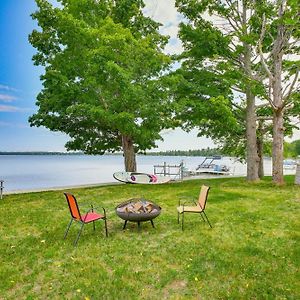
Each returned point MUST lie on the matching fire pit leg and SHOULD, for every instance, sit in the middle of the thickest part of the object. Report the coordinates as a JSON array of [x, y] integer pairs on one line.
[[125, 225], [152, 223]]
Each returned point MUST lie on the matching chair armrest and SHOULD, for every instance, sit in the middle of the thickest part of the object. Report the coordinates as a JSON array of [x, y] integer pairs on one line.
[[93, 208], [184, 200], [104, 212], [86, 205], [90, 206]]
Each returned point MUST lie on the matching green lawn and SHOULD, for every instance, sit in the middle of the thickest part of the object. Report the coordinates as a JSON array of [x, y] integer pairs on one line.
[[252, 252]]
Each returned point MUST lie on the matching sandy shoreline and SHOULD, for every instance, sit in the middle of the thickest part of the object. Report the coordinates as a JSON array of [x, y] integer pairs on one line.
[[61, 188]]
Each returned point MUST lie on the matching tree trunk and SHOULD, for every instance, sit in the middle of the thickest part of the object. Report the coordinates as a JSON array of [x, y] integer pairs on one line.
[[260, 152], [252, 156], [277, 151], [278, 129], [277, 95], [128, 153]]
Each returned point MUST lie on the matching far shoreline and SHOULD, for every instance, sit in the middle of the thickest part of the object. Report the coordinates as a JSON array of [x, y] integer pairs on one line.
[[209, 152]]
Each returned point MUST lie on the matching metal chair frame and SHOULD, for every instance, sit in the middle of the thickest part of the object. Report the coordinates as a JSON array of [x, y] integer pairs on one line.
[[202, 211], [81, 220]]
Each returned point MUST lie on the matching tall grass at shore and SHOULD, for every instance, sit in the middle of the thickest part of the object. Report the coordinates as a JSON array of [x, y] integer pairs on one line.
[[252, 251]]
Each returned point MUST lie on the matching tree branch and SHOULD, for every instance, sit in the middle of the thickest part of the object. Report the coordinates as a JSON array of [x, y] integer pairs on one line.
[[237, 89], [262, 35], [236, 106], [265, 118], [254, 58], [289, 105], [236, 27], [262, 105], [237, 15], [287, 96]]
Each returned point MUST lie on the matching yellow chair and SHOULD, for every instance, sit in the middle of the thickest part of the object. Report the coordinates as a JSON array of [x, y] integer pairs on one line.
[[199, 206]]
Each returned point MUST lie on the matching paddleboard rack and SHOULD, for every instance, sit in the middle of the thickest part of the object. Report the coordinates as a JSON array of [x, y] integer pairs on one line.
[[169, 170]]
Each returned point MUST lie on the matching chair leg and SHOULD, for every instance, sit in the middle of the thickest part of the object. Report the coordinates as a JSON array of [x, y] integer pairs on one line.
[[106, 231], [68, 228], [79, 233], [178, 217], [207, 219], [202, 217], [94, 225], [182, 220]]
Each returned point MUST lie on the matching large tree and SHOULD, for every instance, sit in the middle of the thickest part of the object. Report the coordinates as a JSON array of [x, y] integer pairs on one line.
[[231, 38], [217, 37], [103, 61], [278, 48]]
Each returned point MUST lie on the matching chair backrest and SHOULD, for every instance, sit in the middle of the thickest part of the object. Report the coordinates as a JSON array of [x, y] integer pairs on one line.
[[73, 206], [203, 196]]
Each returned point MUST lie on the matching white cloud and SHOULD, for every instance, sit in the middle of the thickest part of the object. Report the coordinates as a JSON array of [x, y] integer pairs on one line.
[[7, 88], [8, 108], [7, 98], [161, 11], [166, 13]]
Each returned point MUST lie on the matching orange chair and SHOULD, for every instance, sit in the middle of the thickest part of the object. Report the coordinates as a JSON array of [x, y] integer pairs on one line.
[[88, 217]]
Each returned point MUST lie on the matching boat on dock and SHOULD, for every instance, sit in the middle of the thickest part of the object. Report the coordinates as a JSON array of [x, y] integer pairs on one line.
[[289, 164], [208, 166]]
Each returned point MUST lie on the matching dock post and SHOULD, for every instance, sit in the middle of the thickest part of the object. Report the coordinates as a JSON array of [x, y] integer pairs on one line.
[[181, 170], [165, 168], [297, 176], [1, 189]]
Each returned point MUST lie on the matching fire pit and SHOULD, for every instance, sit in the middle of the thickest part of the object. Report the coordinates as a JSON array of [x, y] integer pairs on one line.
[[138, 210]]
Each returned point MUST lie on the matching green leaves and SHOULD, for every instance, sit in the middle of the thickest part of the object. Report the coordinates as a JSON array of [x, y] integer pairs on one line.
[[103, 61]]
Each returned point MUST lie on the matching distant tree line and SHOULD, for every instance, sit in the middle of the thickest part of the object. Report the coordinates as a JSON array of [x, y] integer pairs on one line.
[[39, 153], [200, 152], [291, 150]]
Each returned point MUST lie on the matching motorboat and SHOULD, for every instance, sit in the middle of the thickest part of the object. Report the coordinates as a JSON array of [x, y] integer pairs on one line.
[[209, 166], [289, 164]]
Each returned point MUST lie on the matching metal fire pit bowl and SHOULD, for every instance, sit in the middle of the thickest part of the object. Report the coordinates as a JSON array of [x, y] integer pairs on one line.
[[138, 210]]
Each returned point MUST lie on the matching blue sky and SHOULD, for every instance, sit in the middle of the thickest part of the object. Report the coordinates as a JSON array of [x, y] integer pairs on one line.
[[20, 84]]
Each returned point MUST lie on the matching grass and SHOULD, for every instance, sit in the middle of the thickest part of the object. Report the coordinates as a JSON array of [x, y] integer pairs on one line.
[[252, 252]]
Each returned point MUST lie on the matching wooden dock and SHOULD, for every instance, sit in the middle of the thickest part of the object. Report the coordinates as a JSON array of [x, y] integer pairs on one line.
[[169, 170]]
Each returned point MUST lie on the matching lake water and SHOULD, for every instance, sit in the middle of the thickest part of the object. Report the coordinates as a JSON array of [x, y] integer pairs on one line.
[[31, 172]]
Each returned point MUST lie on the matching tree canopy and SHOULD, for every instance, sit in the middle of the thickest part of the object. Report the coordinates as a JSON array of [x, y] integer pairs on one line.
[[241, 44], [103, 61]]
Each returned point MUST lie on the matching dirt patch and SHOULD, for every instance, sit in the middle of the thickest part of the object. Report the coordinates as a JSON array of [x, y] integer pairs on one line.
[[173, 286]]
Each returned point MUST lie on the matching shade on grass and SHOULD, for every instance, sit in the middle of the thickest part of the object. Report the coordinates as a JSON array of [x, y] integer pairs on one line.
[[252, 252]]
